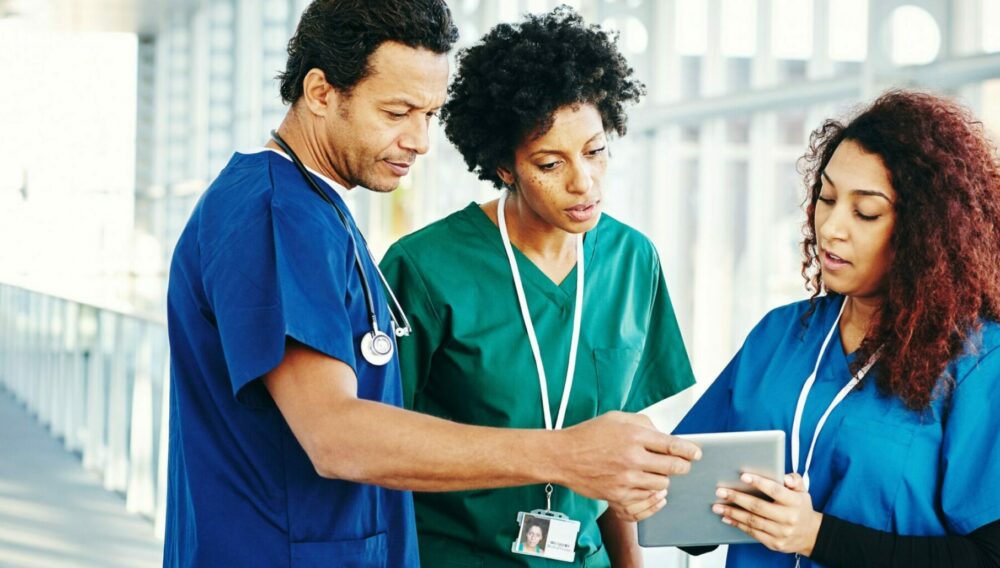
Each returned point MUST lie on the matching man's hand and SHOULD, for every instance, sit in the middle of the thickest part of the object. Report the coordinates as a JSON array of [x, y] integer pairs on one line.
[[623, 459], [789, 524]]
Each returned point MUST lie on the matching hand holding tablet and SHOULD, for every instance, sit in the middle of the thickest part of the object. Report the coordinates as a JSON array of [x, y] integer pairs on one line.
[[688, 519]]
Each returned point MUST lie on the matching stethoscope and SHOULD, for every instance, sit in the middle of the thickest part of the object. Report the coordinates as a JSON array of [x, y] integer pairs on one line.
[[376, 346]]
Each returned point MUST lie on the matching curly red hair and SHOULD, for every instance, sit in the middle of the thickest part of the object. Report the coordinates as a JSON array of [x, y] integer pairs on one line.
[[945, 273]]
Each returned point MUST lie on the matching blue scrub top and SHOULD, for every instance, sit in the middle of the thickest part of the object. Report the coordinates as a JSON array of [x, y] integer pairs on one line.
[[263, 258], [876, 463]]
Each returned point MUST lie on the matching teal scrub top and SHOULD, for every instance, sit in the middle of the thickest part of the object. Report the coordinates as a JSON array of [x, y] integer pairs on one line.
[[876, 463], [469, 361]]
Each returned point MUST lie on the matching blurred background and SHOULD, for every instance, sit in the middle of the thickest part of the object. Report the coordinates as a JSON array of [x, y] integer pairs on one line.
[[116, 114]]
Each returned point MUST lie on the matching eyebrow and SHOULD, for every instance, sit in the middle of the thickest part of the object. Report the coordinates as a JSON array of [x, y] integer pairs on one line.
[[409, 103], [867, 192], [547, 151]]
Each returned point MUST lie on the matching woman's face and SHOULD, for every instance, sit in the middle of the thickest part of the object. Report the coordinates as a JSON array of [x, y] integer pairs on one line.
[[560, 174], [534, 536], [853, 222]]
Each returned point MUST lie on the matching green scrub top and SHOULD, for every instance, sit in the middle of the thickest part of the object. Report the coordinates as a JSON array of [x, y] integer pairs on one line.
[[469, 360]]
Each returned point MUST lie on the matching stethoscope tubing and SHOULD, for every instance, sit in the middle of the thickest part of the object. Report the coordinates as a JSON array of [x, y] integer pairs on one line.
[[405, 329]]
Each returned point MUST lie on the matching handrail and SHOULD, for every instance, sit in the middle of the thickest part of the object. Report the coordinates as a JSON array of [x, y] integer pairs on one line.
[[98, 379]]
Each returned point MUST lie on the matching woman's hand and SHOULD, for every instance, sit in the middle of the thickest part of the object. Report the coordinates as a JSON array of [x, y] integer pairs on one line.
[[789, 524], [639, 510]]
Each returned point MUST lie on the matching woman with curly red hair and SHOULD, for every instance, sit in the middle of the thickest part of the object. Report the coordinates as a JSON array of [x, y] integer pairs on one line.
[[886, 379]]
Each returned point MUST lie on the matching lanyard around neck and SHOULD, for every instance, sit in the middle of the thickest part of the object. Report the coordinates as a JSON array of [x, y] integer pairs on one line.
[[804, 394], [532, 338]]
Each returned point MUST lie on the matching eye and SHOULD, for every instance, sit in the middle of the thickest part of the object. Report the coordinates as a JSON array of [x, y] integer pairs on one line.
[[826, 200], [396, 115], [864, 217], [597, 151], [548, 166]]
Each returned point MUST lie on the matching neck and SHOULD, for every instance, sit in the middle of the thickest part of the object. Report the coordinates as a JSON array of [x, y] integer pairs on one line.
[[536, 238], [303, 137], [859, 314]]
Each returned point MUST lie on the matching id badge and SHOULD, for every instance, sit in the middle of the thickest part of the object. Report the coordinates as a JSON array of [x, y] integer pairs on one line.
[[547, 534]]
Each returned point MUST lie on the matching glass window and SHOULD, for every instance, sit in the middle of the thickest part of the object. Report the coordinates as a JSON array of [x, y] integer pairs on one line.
[[690, 133], [916, 38], [738, 130], [792, 70], [738, 71], [791, 128], [739, 28], [690, 77], [848, 30], [792, 29], [990, 25], [738, 185], [691, 26]]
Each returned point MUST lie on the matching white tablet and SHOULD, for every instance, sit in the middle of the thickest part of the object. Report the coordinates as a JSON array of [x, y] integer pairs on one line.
[[687, 519]]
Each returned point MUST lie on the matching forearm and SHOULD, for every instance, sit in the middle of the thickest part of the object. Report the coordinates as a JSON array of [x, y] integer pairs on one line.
[[621, 540], [841, 543], [379, 444], [616, 457]]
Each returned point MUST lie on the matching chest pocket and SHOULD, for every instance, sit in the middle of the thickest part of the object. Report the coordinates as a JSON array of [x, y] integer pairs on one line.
[[872, 455], [615, 373]]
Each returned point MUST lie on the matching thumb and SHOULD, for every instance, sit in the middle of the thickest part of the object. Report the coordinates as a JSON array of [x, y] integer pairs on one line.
[[795, 482]]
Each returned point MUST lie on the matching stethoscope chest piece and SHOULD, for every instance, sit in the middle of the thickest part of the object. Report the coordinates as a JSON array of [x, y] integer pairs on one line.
[[377, 348]]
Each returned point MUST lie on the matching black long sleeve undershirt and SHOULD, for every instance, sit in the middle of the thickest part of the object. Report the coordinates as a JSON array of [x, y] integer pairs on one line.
[[842, 543]]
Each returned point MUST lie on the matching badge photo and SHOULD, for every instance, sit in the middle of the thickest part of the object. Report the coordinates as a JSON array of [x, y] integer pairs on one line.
[[546, 534]]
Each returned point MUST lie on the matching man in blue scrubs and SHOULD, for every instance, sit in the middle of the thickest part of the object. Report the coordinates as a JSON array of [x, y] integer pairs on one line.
[[287, 446]]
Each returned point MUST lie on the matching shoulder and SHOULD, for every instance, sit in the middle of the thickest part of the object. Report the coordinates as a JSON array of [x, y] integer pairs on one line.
[[441, 239], [260, 202], [613, 233], [244, 176], [795, 320], [982, 353]]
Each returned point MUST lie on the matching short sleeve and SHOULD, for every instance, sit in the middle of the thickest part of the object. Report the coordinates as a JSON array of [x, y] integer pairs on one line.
[[713, 410], [281, 271], [970, 450], [416, 352], [664, 368]]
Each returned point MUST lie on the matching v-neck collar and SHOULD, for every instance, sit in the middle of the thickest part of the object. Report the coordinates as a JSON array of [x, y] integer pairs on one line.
[[836, 364], [566, 290]]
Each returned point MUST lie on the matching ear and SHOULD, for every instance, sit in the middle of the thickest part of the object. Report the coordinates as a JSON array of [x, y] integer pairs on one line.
[[505, 176], [319, 97]]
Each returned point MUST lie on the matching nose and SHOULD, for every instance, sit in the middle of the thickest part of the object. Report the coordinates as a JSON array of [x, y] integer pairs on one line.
[[416, 138], [832, 224], [581, 177]]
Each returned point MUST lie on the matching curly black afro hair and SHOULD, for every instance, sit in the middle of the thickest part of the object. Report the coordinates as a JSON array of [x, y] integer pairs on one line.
[[510, 84]]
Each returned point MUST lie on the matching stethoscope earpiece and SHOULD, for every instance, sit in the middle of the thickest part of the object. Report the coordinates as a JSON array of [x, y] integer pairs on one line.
[[376, 346]]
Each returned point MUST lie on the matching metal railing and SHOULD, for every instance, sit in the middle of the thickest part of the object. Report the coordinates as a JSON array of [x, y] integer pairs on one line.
[[99, 381]]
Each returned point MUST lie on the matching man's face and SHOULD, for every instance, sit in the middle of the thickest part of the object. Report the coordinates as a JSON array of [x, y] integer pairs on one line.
[[375, 132]]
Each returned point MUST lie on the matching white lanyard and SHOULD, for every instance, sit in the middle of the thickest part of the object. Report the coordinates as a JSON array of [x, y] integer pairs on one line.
[[523, 301], [804, 394]]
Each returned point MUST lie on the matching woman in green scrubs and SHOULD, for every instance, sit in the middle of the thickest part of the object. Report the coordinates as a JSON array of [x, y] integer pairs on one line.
[[493, 289]]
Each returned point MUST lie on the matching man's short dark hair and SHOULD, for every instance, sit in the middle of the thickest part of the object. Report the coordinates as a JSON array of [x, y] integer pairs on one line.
[[339, 36]]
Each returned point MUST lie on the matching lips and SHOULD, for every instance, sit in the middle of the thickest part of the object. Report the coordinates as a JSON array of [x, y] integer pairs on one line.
[[399, 168], [583, 212], [832, 261]]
